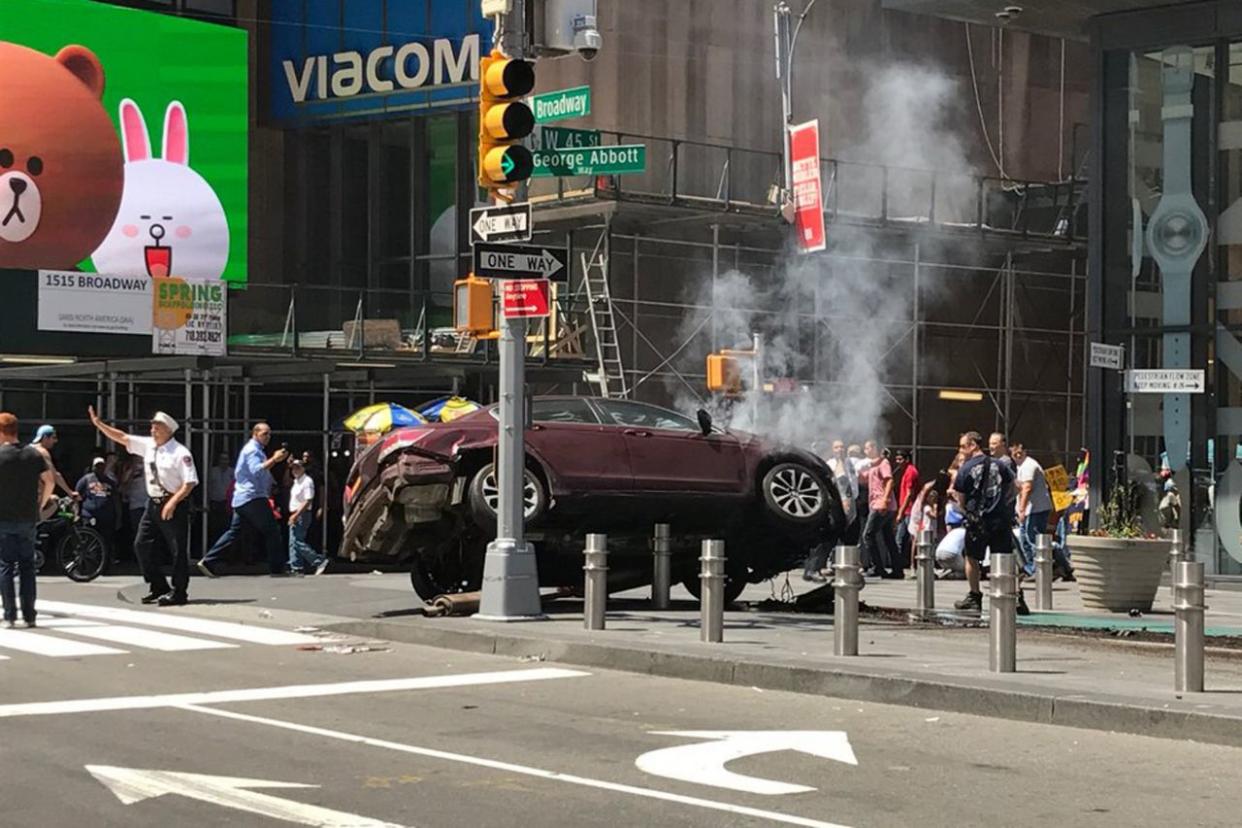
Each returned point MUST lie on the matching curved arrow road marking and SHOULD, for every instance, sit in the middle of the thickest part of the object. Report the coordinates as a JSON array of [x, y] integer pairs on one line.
[[704, 763], [133, 785]]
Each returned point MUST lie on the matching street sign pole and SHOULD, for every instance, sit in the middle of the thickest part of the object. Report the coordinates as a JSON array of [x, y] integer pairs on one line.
[[510, 578]]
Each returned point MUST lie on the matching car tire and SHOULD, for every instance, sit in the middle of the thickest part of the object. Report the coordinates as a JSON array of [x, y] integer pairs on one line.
[[432, 574], [795, 495], [482, 497]]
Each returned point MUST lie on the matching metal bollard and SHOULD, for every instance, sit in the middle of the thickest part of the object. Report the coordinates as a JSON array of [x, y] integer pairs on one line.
[[846, 582], [662, 575], [1043, 572], [1188, 628], [1177, 551], [711, 591], [1003, 617], [925, 562], [595, 595]]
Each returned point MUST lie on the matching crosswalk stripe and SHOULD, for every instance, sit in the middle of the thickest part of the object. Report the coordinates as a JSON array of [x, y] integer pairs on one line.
[[181, 623], [48, 645], [54, 622], [150, 639]]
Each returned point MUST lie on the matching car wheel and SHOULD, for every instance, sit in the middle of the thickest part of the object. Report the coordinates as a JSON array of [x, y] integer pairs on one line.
[[484, 497], [795, 494], [443, 572]]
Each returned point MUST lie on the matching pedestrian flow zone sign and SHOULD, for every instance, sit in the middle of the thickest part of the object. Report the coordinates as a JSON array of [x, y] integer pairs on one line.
[[511, 261], [500, 223], [1165, 381]]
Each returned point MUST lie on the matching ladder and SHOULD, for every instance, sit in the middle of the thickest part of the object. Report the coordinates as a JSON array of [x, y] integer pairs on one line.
[[610, 376]]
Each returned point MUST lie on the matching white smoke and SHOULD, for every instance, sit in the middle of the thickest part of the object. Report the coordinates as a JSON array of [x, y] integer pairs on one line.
[[831, 321]]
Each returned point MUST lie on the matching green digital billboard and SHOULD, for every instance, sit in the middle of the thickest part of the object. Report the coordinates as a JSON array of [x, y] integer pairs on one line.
[[124, 141]]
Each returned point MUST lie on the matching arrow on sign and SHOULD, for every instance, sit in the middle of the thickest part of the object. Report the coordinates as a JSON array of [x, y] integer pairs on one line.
[[704, 763], [503, 224], [133, 785]]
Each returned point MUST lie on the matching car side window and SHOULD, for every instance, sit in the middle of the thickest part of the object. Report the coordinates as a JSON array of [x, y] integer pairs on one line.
[[562, 411], [638, 415]]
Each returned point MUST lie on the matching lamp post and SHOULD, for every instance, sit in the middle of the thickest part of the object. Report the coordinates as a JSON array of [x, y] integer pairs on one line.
[[786, 43]]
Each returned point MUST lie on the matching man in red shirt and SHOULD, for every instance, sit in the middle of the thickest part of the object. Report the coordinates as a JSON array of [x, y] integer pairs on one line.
[[907, 475], [877, 547]]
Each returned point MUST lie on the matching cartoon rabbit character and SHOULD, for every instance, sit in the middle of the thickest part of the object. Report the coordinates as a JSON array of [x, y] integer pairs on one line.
[[171, 222]]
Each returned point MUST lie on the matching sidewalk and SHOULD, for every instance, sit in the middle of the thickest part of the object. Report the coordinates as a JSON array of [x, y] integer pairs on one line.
[[1061, 679]]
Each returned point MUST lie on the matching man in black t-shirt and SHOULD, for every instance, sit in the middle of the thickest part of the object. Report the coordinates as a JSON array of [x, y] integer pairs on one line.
[[27, 484], [982, 489]]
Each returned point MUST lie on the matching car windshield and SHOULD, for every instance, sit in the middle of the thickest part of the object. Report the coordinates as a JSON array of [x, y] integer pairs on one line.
[[635, 414]]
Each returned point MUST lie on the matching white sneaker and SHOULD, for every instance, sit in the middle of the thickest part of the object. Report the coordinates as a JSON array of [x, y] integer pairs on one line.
[[319, 570], [10, 625]]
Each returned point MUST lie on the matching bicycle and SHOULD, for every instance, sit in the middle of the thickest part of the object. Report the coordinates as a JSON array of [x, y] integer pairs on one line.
[[80, 551]]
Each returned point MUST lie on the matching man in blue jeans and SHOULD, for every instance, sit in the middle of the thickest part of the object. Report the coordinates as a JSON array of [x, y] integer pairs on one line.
[[251, 489], [302, 556], [27, 482], [1034, 508]]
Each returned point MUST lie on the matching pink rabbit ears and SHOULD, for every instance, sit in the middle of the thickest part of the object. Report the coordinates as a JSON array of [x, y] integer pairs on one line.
[[137, 141]]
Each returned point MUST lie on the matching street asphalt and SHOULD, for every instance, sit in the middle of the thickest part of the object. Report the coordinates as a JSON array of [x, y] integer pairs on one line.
[[253, 695]]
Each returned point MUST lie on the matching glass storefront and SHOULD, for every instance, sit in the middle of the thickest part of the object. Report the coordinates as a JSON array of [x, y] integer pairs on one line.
[[1170, 259]]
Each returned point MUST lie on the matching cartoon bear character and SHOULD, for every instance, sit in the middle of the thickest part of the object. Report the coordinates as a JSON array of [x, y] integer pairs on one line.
[[170, 222], [61, 168]]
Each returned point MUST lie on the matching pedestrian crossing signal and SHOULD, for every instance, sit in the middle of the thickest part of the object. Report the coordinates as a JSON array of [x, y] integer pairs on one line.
[[504, 121]]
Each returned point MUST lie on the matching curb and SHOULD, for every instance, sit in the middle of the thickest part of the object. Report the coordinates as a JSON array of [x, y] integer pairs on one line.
[[1180, 718]]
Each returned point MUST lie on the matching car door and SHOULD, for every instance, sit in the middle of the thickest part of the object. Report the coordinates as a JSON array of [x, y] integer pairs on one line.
[[670, 454], [584, 455]]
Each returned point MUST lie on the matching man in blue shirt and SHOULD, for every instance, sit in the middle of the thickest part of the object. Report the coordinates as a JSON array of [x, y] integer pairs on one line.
[[252, 487]]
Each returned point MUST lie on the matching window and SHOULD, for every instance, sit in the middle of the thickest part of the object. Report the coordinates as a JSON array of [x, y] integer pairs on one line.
[[562, 411], [639, 415]]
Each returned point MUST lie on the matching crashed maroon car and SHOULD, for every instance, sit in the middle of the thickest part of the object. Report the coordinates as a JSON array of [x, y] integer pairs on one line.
[[427, 496]]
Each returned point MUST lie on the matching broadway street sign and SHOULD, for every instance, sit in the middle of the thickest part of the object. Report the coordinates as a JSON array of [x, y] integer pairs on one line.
[[611, 160], [511, 261], [500, 223], [561, 105]]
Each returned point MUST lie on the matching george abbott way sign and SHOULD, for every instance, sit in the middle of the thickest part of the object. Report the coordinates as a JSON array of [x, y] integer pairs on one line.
[[384, 69]]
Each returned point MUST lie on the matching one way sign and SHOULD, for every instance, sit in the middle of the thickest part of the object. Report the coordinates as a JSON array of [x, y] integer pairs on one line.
[[500, 223], [511, 261]]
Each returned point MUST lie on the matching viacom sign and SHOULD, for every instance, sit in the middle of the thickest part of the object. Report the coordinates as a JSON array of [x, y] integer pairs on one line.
[[333, 60], [384, 69]]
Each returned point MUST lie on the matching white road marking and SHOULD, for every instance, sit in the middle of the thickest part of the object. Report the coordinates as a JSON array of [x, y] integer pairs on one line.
[[182, 623], [133, 785], [704, 763], [57, 622], [295, 691], [508, 767], [150, 639], [50, 645]]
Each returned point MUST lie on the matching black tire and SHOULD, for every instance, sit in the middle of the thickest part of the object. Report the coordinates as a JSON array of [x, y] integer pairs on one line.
[[735, 582], [82, 554], [482, 496], [795, 495], [442, 572]]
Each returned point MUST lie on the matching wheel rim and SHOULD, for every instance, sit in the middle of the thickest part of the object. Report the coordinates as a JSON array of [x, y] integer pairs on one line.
[[796, 493], [530, 494], [86, 555]]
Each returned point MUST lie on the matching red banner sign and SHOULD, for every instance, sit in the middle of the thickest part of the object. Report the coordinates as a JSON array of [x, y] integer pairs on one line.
[[808, 188], [525, 298]]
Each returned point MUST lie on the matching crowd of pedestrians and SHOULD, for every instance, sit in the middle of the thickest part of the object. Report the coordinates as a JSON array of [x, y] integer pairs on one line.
[[992, 498]]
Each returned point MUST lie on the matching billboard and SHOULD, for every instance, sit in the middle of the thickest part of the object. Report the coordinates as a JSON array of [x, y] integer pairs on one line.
[[124, 149], [342, 59]]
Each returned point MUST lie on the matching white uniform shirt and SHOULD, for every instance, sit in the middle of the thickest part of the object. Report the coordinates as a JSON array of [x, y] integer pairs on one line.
[[303, 491], [173, 463]]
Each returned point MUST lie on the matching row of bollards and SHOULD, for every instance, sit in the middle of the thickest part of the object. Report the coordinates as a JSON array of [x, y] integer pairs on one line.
[[1188, 597]]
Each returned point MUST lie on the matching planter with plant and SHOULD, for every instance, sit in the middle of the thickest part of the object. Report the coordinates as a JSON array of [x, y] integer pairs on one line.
[[1119, 565]]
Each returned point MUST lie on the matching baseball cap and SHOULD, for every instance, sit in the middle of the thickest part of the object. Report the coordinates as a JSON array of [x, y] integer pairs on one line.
[[163, 419], [44, 431], [98, 461]]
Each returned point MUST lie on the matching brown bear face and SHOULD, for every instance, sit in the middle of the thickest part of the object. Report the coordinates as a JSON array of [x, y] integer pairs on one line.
[[61, 168]]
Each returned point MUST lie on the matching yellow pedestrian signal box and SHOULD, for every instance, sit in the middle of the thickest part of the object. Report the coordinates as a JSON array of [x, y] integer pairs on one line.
[[473, 311], [724, 374], [504, 121]]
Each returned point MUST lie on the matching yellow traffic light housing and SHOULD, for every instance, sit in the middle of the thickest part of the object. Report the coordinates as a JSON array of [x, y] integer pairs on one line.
[[724, 374], [504, 121], [473, 311]]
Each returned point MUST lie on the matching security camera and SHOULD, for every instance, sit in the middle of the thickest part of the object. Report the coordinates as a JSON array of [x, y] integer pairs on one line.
[[566, 27]]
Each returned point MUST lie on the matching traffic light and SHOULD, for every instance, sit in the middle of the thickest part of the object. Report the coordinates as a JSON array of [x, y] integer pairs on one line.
[[504, 121], [724, 374], [473, 311]]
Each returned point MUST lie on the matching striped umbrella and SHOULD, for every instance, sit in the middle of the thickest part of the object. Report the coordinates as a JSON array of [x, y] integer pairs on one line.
[[383, 417]]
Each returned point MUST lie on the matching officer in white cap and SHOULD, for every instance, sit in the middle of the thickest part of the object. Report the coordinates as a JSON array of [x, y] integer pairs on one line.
[[170, 476]]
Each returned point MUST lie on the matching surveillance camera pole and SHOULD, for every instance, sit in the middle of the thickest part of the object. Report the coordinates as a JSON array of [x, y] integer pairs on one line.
[[510, 576]]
